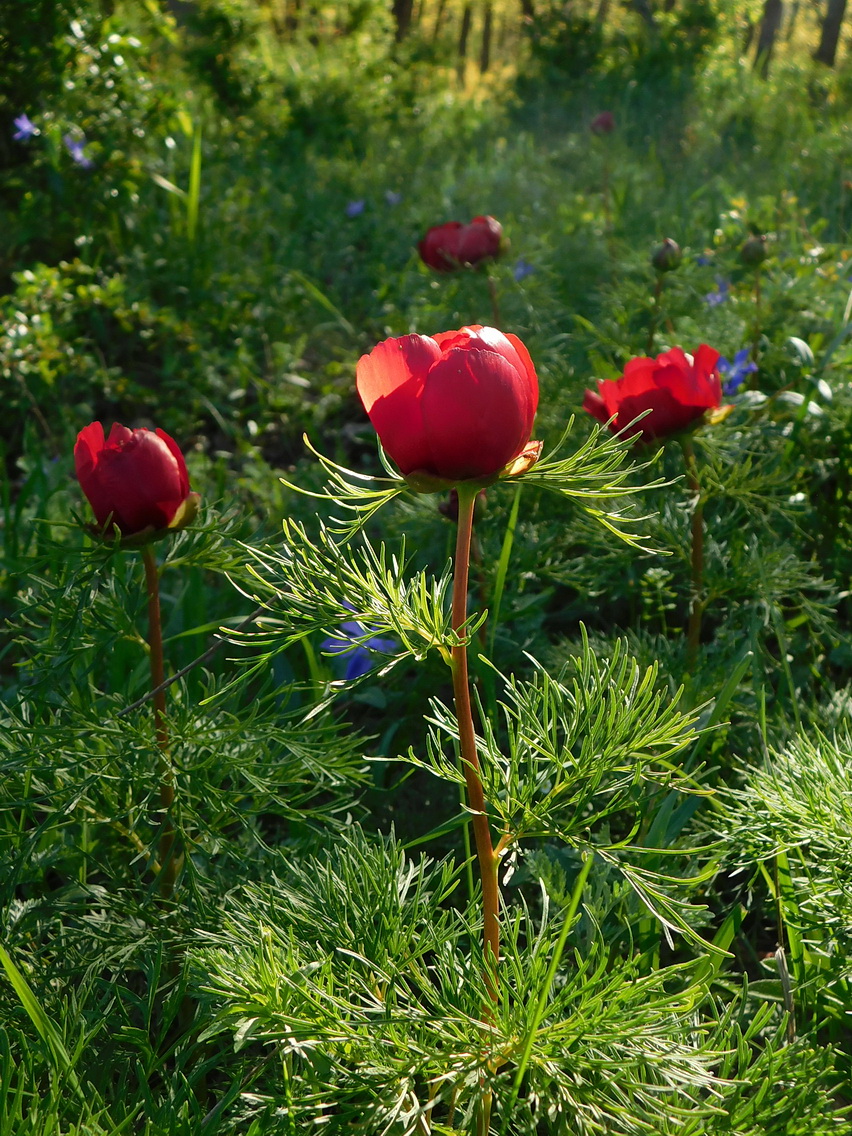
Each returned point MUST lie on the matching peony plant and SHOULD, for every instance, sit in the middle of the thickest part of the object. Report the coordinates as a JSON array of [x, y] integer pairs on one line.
[[137, 484], [657, 399]]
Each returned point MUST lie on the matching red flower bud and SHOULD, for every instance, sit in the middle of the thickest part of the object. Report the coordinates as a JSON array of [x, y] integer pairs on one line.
[[603, 123], [457, 406], [134, 479], [676, 389], [449, 247]]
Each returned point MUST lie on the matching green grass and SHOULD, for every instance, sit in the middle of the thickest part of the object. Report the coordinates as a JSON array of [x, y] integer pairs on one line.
[[680, 828]]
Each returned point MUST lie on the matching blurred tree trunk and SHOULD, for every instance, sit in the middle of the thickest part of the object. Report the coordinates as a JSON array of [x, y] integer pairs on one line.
[[791, 23], [770, 25], [748, 35], [527, 11], [439, 19], [643, 7], [402, 10], [293, 17], [464, 35], [487, 31], [831, 24]]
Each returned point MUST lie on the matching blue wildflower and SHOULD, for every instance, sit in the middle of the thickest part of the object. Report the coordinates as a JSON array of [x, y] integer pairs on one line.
[[522, 269], [703, 259], [76, 148], [713, 299], [359, 657], [734, 373], [392, 197], [24, 128], [355, 208]]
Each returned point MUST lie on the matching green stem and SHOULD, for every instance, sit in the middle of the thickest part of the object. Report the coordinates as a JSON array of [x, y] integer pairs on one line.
[[488, 861], [696, 610], [168, 857], [544, 994], [756, 333], [503, 569]]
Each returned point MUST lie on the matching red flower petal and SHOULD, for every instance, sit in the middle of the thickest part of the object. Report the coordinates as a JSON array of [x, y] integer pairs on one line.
[[390, 381], [452, 245], [135, 479], [458, 406], [676, 390], [475, 413]]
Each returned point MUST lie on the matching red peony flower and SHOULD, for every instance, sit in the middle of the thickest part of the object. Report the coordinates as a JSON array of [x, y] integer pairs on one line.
[[134, 479], [449, 247], [603, 123], [457, 406], [676, 389]]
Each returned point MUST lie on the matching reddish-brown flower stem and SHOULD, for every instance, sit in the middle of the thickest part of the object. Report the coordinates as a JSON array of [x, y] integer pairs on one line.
[[488, 860], [757, 318], [696, 610], [168, 852]]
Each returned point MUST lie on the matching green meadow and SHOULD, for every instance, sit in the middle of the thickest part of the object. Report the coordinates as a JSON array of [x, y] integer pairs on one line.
[[265, 898]]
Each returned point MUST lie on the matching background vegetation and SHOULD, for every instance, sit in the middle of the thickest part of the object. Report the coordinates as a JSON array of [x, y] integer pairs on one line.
[[214, 214]]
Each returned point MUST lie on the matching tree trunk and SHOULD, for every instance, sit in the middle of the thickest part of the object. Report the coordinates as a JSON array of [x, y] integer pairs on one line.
[[439, 19], [770, 25], [831, 25], [643, 7], [527, 11], [464, 35], [402, 10], [487, 29], [791, 23], [748, 35]]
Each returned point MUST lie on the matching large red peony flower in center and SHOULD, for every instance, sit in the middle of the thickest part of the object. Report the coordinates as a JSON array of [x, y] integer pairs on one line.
[[134, 479], [458, 405], [676, 389], [453, 245]]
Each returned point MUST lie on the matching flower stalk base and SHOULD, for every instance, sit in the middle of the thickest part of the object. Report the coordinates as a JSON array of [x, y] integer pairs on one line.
[[488, 859]]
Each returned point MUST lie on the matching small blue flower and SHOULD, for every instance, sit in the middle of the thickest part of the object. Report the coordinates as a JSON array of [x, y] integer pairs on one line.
[[713, 299], [703, 259], [522, 269], [76, 148], [24, 128], [355, 208], [392, 197], [734, 374], [359, 657]]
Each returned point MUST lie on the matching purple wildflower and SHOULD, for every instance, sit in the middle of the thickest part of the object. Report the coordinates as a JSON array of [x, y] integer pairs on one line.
[[355, 208], [522, 269], [76, 148], [359, 657], [713, 299], [25, 128], [734, 373]]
